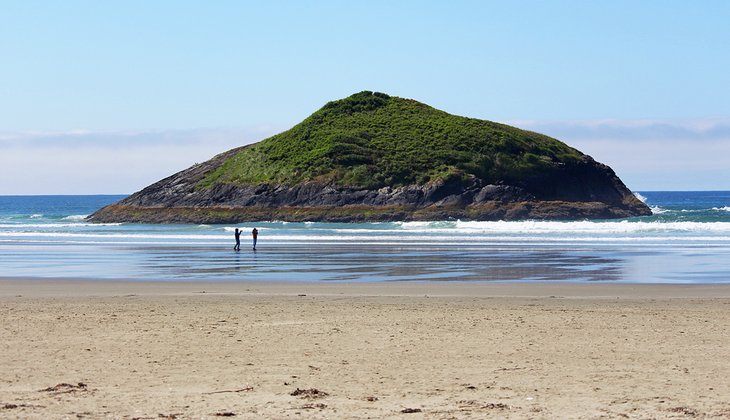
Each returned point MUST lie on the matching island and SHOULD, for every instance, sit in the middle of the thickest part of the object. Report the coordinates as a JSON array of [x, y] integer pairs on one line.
[[374, 157]]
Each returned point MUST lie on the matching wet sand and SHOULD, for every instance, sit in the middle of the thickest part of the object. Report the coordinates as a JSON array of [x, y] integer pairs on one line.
[[373, 350]]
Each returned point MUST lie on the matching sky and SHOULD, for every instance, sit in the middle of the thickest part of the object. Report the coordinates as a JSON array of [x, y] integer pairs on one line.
[[108, 97]]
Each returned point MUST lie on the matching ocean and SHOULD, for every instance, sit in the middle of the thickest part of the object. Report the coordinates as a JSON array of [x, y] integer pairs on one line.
[[686, 240]]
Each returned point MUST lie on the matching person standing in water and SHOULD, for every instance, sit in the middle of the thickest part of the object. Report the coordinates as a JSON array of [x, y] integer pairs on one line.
[[255, 234], [237, 247]]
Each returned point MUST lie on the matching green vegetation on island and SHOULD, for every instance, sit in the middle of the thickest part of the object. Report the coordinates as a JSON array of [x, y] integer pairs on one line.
[[374, 157], [371, 140]]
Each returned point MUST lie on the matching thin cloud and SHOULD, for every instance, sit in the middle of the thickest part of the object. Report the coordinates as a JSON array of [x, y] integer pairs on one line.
[[699, 129], [84, 138], [86, 162], [646, 154], [652, 154]]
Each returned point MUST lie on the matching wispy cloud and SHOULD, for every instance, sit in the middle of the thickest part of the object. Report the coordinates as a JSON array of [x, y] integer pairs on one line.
[[88, 162], [652, 154], [83, 138], [646, 154], [698, 129]]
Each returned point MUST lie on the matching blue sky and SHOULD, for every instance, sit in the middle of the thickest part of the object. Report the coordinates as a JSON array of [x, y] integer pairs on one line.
[[107, 97]]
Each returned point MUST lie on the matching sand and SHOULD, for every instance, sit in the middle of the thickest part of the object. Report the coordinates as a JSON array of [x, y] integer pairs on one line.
[[119, 349]]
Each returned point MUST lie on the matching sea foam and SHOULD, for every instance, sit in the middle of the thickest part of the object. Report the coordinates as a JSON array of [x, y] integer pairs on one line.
[[549, 227], [26, 226], [76, 217]]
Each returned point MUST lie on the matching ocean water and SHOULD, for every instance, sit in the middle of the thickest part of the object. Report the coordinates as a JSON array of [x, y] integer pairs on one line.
[[687, 240]]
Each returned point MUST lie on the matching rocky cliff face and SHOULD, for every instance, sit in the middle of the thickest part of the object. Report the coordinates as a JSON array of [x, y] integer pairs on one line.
[[588, 190]]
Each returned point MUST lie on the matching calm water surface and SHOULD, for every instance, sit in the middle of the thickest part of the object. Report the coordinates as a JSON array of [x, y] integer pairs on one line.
[[687, 240]]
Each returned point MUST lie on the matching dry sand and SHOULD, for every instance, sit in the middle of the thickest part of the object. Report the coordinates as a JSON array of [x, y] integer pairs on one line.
[[191, 350]]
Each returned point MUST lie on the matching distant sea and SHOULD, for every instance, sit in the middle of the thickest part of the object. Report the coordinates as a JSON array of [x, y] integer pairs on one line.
[[687, 240]]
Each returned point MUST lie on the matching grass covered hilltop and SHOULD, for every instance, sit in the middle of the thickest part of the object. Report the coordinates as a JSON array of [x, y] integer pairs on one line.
[[372, 140], [377, 157]]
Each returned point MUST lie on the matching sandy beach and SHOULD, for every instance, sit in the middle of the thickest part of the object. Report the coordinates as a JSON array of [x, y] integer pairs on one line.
[[98, 349]]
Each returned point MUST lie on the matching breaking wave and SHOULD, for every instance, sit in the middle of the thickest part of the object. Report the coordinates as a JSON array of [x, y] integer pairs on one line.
[[549, 227], [76, 217]]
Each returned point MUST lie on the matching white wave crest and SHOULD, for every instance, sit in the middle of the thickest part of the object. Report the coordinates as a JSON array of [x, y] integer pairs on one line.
[[551, 227], [657, 210], [36, 216], [79, 217], [640, 197], [726, 208], [26, 226], [113, 235], [438, 229], [415, 240], [243, 228], [430, 225]]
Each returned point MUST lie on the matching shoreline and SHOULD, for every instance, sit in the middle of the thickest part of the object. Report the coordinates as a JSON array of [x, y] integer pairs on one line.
[[51, 287]]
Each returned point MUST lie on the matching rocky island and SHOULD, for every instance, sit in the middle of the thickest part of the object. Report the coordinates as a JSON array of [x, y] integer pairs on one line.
[[374, 157]]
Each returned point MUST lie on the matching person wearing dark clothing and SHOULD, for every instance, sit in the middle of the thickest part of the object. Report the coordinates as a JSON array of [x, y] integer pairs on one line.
[[238, 240], [255, 234]]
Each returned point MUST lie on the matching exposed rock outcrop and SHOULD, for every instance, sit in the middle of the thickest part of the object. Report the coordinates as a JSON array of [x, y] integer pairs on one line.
[[177, 200], [522, 175]]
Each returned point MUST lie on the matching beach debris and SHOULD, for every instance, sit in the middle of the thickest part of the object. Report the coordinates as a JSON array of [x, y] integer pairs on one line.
[[225, 414], [169, 416], [687, 411], [314, 367], [495, 406], [308, 393], [472, 404], [64, 388], [371, 398], [312, 406], [411, 410], [723, 413], [246, 389], [301, 295], [11, 406], [681, 369]]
